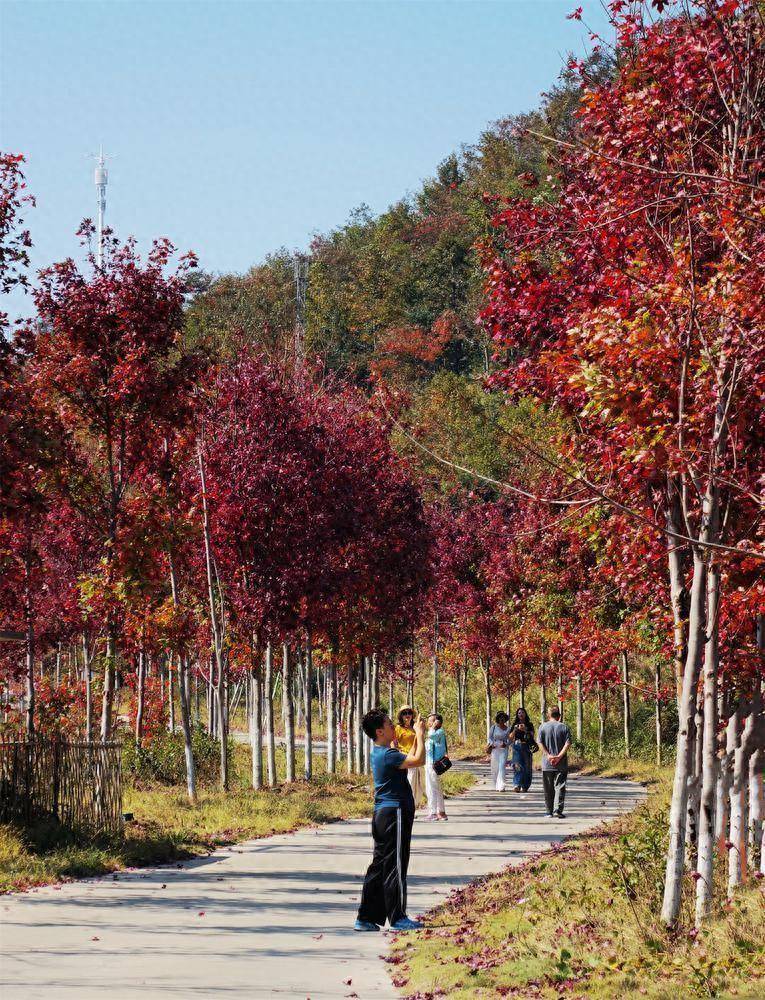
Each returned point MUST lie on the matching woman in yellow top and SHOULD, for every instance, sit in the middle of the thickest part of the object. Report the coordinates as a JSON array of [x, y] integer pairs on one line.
[[405, 742]]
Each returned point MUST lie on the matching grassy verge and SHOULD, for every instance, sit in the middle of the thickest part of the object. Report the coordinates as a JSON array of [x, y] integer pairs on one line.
[[579, 921], [167, 828]]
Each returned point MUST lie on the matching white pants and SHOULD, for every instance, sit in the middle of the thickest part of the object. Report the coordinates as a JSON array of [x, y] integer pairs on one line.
[[434, 791], [416, 780], [498, 765]]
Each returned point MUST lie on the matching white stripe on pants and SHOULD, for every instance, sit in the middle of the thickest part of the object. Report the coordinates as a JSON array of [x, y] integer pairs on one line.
[[498, 765], [434, 791]]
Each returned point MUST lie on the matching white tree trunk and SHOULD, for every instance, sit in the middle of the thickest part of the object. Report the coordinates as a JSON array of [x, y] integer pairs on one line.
[[256, 727], [626, 708], [579, 709], [709, 766], [289, 712], [188, 750], [685, 743], [308, 709], [332, 727], [268, 704]]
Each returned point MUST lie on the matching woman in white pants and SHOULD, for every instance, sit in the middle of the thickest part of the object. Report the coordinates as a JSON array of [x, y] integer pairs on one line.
[[435, 749], [499, 742]]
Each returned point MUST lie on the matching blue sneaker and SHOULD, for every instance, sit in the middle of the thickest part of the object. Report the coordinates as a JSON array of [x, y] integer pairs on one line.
[[365, 925], [405, 924]]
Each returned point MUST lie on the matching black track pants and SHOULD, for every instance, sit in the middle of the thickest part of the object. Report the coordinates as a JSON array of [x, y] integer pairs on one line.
[[384, 892], [555, 790]]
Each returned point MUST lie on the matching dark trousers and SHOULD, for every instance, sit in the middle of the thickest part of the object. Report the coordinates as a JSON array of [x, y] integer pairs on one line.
[[555, 790], [384, 892], [522, 768]]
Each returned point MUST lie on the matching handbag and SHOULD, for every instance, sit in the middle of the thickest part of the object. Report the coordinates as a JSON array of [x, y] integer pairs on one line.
[[442, 766]]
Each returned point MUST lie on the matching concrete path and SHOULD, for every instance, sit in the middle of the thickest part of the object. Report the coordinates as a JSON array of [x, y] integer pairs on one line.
[[267, 918]]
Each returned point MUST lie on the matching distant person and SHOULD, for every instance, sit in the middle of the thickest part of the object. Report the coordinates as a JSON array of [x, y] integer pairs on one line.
[[405, 743], [383, 896], [524, 746], [554, 738], [499, 743], [436, 749]]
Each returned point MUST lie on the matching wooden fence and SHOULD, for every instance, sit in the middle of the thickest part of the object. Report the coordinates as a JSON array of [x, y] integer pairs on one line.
[[76, 784]]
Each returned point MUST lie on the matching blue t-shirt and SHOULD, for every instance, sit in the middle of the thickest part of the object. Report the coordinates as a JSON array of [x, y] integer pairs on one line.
[[435, 745], [392, 789]]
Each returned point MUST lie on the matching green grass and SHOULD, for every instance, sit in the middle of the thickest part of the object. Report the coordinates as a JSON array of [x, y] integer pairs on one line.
[[579, 921], [166, 827]]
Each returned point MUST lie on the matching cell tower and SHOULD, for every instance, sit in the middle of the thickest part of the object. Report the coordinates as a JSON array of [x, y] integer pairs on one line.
[[300, 263], [101, 178]]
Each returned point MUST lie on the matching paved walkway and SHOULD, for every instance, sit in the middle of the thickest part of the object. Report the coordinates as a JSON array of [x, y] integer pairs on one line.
[[267, 918]]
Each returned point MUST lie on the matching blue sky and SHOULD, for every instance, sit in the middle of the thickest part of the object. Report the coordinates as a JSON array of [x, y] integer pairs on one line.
[[242, 127]]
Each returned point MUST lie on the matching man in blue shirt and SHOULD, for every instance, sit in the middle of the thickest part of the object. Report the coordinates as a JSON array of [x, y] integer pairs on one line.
[[384, 893]]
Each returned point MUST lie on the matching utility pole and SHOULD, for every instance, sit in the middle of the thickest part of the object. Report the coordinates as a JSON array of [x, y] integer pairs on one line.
[[101, 179], [300, 264]]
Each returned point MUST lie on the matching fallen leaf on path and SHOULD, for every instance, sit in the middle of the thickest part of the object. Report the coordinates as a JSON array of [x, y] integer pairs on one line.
[[347, 982], [201, 913], [95, 939], [318, 937], [164, 885]]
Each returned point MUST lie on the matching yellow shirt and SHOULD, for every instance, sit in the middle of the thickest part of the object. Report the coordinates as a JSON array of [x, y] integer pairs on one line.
[[405, 739]]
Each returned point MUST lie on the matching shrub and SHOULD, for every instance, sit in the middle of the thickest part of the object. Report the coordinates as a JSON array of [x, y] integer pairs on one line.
[[162, 759]]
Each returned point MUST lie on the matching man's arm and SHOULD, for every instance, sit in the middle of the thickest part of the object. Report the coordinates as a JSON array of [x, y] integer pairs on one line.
[[559, 756], [416, 756]]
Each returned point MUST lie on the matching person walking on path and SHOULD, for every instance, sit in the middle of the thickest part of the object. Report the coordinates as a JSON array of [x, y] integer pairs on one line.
[[499, 741], [554, 739], [524, 745], [405, 743], [384, 893], [435, 746]]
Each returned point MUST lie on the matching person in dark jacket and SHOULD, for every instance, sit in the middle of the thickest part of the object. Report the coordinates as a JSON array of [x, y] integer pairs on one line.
[[523, 744]]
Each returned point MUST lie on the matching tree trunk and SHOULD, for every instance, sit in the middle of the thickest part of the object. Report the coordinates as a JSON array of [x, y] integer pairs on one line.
[[685, 744], [268, 703], [222, 714], [435, 666], [188, 751], [739, 818], [725, 776], [627, 714], [108, 695], [694, 789], [289, 712], [332, 727], [349, 709], [522, 690], [657, 709], [486, 667], [543, 693], [359, 715], [308, 724], [87, 664], [756, 807], [410, 680], [679, 597], [140, 697], [560, 695], [709, 766], [602, 709], [256, 727], [170, 698], [579, 709], [29, 648]]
